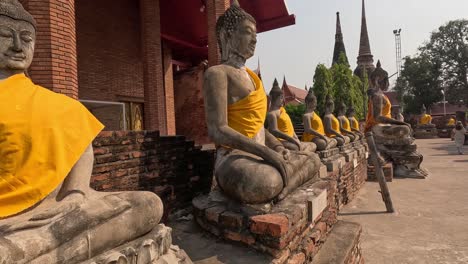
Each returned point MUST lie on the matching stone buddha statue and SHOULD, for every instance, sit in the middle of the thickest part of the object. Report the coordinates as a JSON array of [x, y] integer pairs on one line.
[[345, 124], [280, 124], [393, 137], [314, 130], [48, 212], [452, 121], [398, 115], [425, 120], [252, 165], [332, 124], [353, 122]]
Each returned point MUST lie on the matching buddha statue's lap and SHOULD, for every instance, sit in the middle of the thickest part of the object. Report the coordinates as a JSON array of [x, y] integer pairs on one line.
[[252, 165], [47, 208]]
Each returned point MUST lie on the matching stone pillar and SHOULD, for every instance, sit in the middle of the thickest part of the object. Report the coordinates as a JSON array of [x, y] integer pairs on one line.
[[55, 62], [214, 9], [169, 89], [153, 79]]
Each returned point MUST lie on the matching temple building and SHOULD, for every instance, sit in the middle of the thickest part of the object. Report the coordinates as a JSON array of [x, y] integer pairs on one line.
[[339, 42], [292, 94], [365, 59], [137, 65]]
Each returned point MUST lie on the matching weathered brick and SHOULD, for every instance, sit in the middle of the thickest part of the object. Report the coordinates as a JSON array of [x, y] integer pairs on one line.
[[231, 220], [274, 225], [213, 213]]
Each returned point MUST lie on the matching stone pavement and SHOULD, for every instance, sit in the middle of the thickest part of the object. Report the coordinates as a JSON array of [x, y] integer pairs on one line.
[[431, 220]]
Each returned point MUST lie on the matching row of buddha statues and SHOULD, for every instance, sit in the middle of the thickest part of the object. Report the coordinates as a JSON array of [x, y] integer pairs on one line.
[[49, 213]]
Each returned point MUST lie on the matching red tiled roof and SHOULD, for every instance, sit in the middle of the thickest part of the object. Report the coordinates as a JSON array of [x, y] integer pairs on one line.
[[297, 94]]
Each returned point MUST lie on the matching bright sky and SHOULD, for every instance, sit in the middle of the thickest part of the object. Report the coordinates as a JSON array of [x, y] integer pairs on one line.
[[296, 50]]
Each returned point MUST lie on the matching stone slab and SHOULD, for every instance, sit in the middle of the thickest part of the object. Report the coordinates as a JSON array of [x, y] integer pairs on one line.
[[323, 171], [319, 203], [338, 249]]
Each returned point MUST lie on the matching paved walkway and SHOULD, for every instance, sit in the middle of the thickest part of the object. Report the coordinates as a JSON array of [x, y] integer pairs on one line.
[[431, 222]]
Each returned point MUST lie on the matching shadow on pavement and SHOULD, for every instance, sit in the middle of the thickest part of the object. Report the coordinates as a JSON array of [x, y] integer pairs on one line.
[[364, 213]]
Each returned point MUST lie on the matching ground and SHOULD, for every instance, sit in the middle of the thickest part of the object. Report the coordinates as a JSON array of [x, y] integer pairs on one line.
[[430, 224], [431, 220]]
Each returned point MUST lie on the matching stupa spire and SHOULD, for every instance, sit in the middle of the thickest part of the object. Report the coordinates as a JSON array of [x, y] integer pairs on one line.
[[339, 43], [365, 59]]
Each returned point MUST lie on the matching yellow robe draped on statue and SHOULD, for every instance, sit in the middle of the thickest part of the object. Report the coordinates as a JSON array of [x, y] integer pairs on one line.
[[335, 126], [285, 124], [346, 125], [354, 123], [42, 136], [425, 119], [386, 111], [317, 125], [247, 115]]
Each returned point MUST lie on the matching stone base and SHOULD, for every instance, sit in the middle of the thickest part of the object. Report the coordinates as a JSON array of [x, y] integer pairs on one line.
[[425, 133], [154, 248], [387, 170], [445, 132], [343, 245], [291, 231]]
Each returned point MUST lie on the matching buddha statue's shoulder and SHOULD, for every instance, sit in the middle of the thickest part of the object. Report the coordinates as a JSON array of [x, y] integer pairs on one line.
[[217, 71]]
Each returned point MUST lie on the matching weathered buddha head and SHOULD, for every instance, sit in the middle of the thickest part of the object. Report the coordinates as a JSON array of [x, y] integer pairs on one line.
[[17, 38], [341, 109], [276, 95], [351, 112], [379, 78], [329, 104], [311, 100], [236, 31], [423, 110]]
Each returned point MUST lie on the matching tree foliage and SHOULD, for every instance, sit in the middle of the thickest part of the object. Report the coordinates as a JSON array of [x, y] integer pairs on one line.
[[322, 85], [442, 63], [295, 112]]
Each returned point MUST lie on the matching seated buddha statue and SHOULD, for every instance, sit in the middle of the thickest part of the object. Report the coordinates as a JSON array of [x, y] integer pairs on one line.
[[425, 120], [280, 124], [345, 124], [452, 121], [393, 137], [313, 126], [354, 124], [398, 115], [48, 212], [252, 166], [332, 124]]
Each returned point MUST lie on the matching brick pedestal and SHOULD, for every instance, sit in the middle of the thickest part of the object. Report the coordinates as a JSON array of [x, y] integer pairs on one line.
[[387, 170]]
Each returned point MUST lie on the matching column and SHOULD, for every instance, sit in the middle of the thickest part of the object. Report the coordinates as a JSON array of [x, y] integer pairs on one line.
[[214, 9], [55, 61], [169, 89]]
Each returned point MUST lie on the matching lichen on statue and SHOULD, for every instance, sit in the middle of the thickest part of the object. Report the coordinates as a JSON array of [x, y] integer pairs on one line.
[[332, 124], [394, 138], [252, 166], [280, 124], [314, 130], [48, 212]]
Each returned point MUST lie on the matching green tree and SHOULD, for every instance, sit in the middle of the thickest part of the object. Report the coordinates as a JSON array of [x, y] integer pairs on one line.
[[322, 85], [346, 87], [295, 112], [419, 83], [448, 48]]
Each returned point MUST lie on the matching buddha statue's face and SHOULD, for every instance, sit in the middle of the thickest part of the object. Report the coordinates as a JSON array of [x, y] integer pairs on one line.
[[311, 104], [381, 82], [277, 100], [341, 109], [17, 40], [423, 111], [330, 106], [243, 40], [351, 113]]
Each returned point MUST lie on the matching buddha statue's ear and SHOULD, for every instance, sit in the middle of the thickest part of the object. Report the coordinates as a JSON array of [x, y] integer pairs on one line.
[[224, 45]]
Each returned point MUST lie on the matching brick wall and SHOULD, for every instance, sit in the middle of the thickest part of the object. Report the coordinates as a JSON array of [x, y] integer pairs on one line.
[[55, 61], [109, 49], [172, 167], [189, 105], [214, 9]]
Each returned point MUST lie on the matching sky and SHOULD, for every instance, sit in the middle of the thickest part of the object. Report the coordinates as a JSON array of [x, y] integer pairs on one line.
[[295, 51]]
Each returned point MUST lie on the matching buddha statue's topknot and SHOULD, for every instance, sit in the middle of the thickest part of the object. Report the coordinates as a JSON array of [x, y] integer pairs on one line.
[[229, 21], [379, 72], [275, 90], [15, 10], [310, 95]]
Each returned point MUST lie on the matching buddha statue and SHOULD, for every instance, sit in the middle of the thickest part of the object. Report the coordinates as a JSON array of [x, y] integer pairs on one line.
[[393, 137], [280, 124], [252, 166], [48, 212], [398, 115], [314, 130], [425, 120], [452, 121], [332, 124], [345, 125], [354, 124]]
